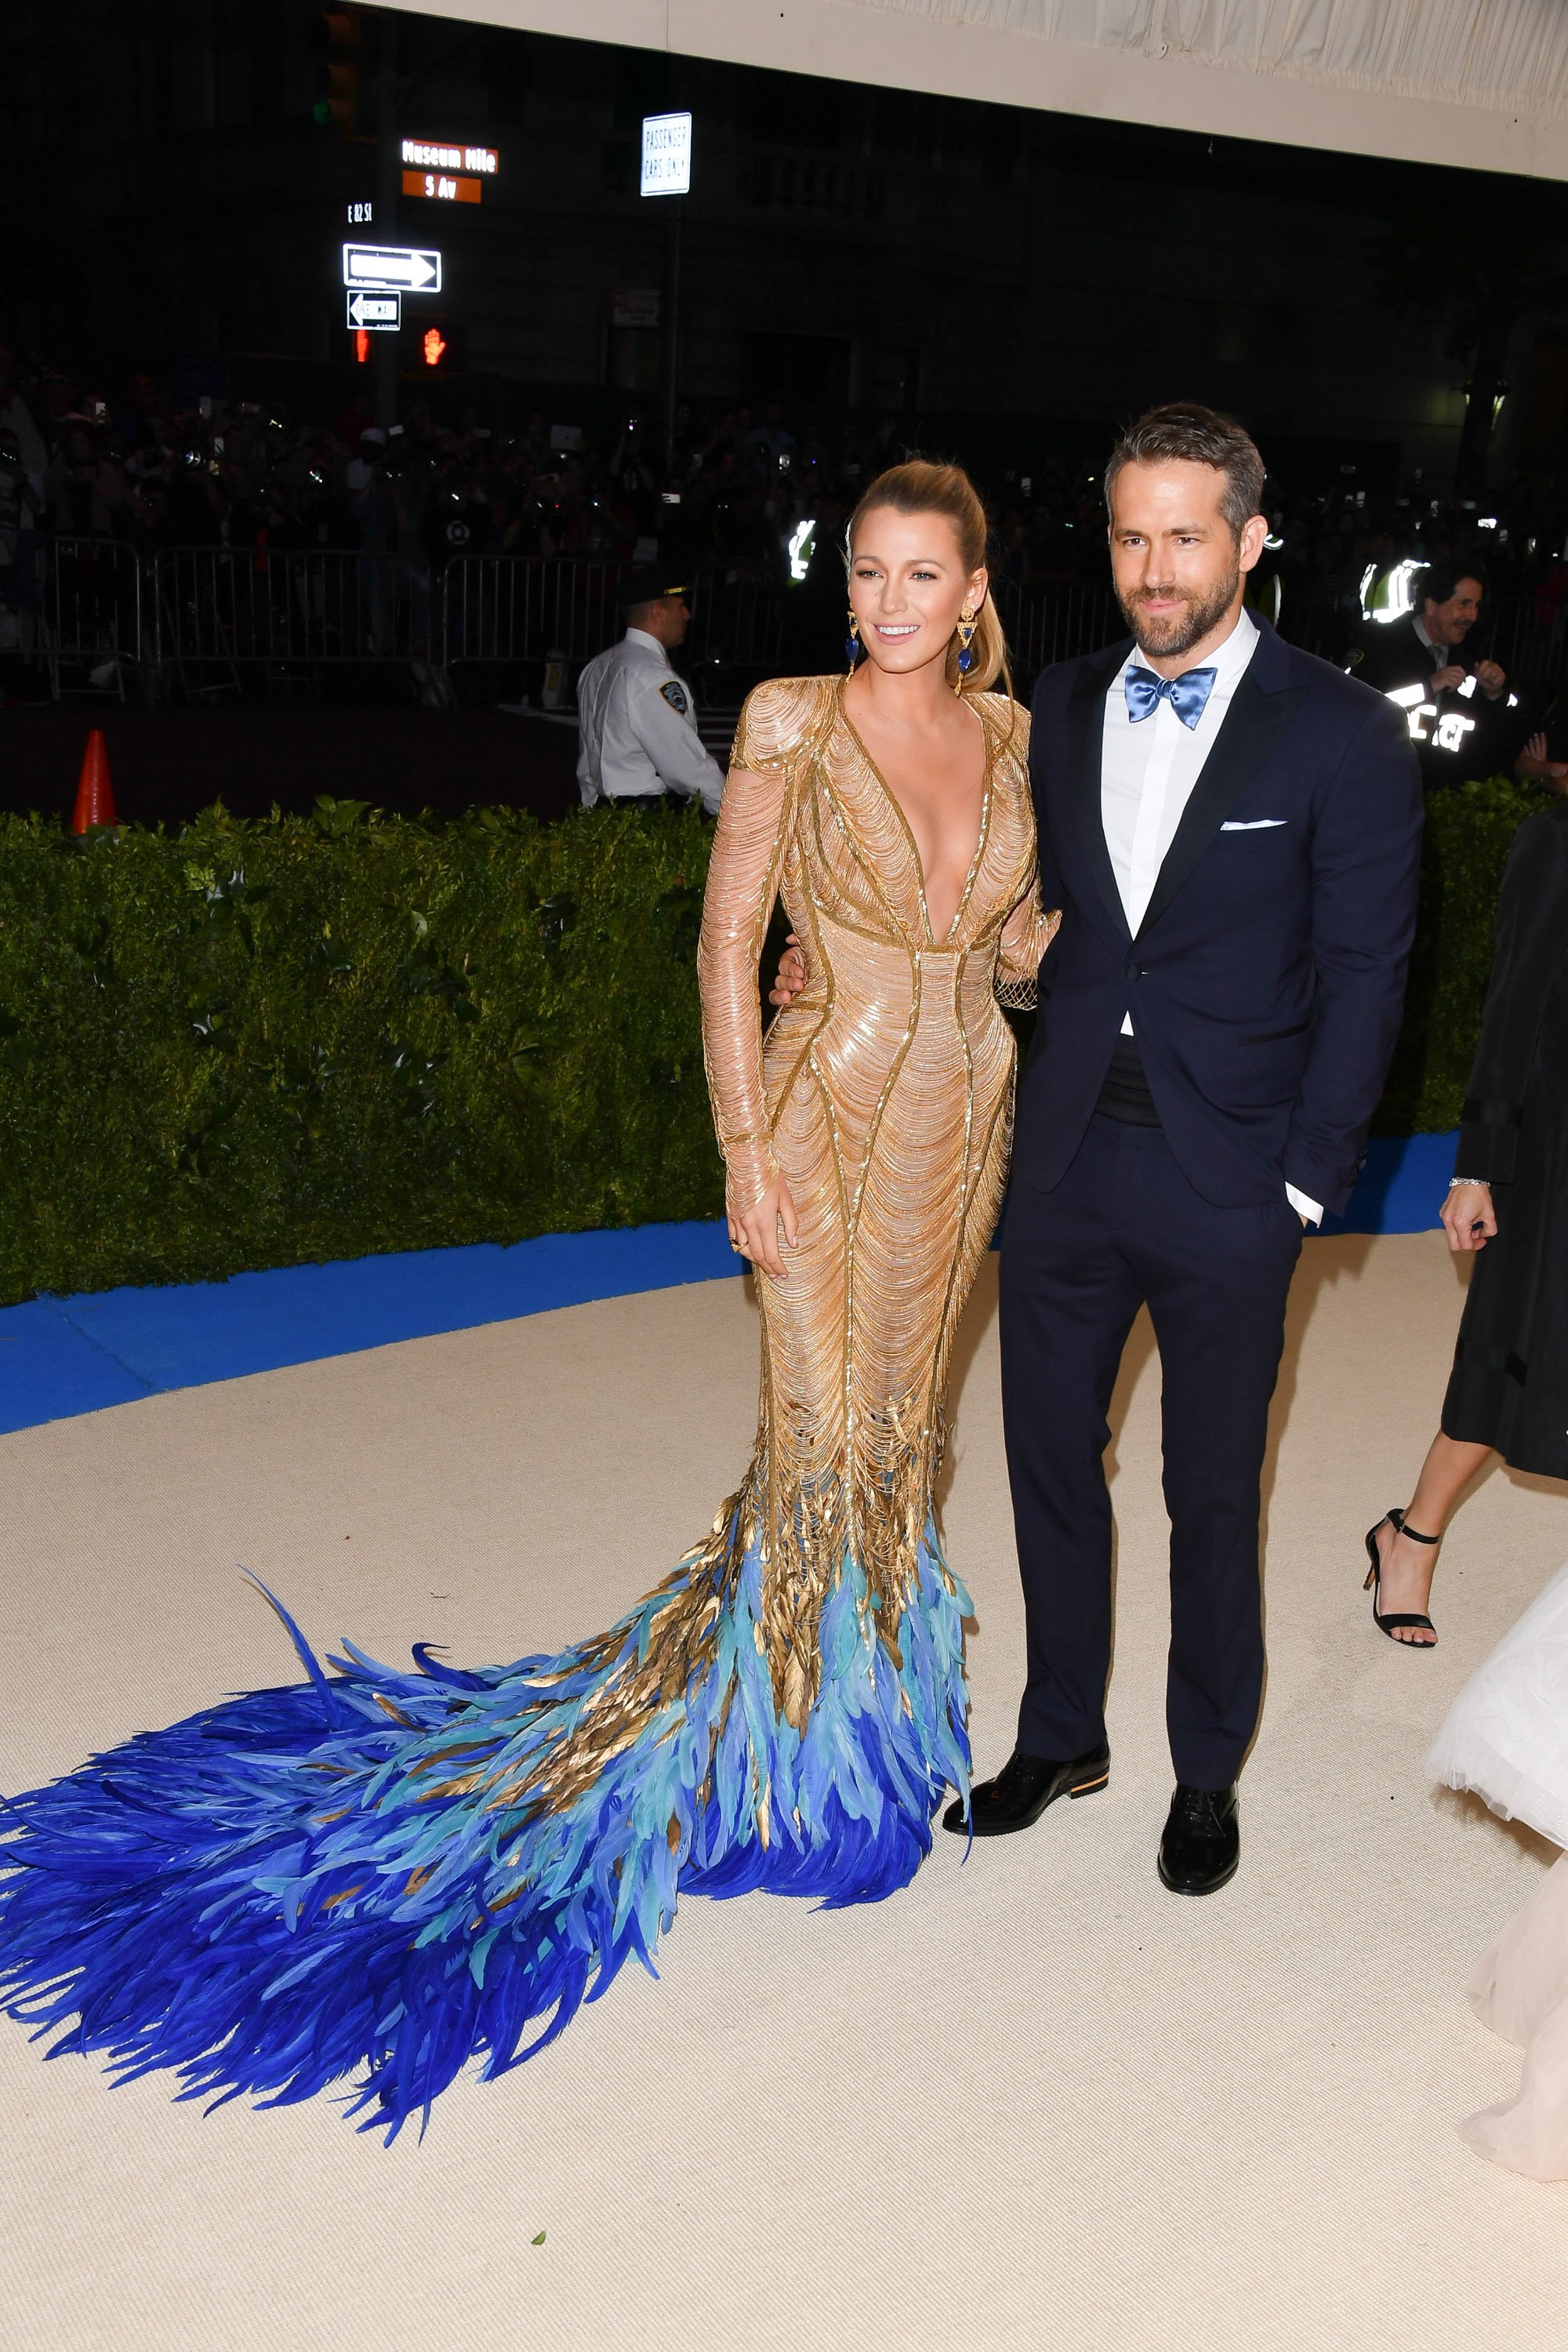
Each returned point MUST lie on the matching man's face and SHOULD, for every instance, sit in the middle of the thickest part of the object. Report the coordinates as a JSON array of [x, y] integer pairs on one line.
[[1176, 562], [674, 618], [1449, 624]]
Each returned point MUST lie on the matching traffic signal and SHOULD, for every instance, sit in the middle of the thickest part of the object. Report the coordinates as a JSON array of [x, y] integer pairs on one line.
[[441, 345], [336, 38]]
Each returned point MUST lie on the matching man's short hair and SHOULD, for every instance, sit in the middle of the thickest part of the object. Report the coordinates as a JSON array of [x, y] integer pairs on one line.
[[1185, 428], [1438, 582]]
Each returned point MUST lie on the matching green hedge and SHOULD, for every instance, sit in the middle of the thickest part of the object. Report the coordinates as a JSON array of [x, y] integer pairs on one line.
[[255, 1043], [1469, 835]]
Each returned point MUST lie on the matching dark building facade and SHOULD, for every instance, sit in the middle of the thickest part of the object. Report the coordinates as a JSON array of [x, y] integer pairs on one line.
[[170, 193]]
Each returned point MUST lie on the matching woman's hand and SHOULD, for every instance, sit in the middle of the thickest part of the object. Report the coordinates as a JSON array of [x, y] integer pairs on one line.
[[1469, 1217], [756, 1233], [790, 977]]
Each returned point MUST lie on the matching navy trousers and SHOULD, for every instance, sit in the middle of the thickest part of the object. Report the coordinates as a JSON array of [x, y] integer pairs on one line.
[[1124, 1228]]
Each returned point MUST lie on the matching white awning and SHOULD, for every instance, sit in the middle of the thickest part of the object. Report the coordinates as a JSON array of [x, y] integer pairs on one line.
[[1477, 83]]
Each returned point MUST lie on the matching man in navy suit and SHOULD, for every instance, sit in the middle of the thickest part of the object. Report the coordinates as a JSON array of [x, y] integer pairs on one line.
[[1231, 830]]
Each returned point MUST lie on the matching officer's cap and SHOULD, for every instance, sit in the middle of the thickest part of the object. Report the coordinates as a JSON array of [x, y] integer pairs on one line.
[[649, 581]]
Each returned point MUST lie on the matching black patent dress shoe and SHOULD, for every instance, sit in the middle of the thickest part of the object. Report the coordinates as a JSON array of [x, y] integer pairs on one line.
[[1023, 1789], [1201, 1843]]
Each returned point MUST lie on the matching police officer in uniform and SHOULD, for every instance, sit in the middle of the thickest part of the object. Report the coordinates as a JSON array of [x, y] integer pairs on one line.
[[639, 739]]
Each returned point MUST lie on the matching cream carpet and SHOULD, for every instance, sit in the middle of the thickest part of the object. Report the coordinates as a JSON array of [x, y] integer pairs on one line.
[[1034, 2101]]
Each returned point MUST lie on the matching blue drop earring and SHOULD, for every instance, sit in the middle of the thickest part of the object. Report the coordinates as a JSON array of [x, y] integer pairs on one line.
[[966, 625], [852, 643]]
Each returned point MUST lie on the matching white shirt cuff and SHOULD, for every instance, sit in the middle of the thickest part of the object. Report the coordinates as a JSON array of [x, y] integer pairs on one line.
[[1311, 1210]]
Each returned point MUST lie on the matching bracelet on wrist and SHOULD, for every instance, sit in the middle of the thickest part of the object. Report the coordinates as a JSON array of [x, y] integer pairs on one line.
[[1484, 1181]]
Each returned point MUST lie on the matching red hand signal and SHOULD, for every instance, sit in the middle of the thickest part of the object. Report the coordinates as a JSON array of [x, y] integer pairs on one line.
[[434, 344]]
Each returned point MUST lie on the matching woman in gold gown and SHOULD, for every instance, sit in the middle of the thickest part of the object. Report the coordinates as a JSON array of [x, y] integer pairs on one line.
[[376, 1874]]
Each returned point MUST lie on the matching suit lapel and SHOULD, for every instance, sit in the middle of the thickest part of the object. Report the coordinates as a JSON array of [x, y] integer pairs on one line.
[[1084, 752], [1247, 736]]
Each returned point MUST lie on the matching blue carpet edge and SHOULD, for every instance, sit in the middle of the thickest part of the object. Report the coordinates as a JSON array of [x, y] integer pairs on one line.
[[63, 1357]]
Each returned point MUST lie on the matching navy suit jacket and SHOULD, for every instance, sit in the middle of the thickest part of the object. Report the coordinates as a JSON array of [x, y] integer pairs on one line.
[[1266, 979]]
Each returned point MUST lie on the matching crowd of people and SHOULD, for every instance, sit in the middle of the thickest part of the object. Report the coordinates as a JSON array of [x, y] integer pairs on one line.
[[761, 496]]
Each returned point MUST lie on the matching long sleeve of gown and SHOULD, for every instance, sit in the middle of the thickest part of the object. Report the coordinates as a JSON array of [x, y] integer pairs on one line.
[[1026, 934], [742, 881]]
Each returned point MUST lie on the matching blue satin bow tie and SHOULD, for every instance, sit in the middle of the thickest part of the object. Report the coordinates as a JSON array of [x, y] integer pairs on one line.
[[1187, 695]]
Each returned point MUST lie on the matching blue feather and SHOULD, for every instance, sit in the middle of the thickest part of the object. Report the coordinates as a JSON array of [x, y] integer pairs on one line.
[[266, 1899]]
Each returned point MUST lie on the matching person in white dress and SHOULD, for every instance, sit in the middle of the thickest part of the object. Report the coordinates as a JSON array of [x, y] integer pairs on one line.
[[1506, 1736]]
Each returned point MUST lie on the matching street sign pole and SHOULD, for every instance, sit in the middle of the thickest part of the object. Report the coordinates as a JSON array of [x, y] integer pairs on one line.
[[672, 330], [389, 183], [666, 172]]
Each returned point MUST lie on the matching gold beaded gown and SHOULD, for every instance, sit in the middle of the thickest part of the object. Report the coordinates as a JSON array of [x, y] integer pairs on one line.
[[369, 1878], [884, 1097]]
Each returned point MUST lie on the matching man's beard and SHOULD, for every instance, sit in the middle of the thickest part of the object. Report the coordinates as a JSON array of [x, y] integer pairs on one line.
[[1178, 632]]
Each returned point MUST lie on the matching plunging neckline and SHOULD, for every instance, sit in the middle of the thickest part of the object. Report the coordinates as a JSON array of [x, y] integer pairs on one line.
[[907, 829]]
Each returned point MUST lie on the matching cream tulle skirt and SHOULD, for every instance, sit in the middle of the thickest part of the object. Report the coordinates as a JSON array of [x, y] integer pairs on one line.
[[1505, 1737]]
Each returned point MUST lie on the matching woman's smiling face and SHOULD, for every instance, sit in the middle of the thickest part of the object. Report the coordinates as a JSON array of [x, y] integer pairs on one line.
[[908, 585]]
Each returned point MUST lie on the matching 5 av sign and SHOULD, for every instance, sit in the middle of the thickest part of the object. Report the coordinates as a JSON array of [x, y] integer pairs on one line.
[[393, 268]]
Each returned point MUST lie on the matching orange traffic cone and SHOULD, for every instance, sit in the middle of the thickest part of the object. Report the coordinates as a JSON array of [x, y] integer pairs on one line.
[[94, 799]]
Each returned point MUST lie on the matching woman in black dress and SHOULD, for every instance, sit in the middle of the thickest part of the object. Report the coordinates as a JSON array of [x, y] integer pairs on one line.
[[1509, 1389]]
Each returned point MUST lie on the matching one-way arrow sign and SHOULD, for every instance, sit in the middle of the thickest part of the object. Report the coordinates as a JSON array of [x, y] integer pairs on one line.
[[414, 270], [381, 313]]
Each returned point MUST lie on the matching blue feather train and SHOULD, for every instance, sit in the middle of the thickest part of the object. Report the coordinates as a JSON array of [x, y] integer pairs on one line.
[[373, 1876]]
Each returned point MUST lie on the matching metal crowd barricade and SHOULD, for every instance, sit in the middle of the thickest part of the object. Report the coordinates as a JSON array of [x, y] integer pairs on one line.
[[1047, 624], [504, 608], [1525, 636], [513, 610], [200, 616], [736, 622], [91, 614], [218, 609]]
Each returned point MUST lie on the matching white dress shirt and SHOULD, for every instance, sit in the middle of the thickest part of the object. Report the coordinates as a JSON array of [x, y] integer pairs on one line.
[[1148, 770], [637, 729]]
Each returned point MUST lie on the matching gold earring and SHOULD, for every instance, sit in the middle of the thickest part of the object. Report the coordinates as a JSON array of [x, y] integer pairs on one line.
[[966, 625], [852, 643]]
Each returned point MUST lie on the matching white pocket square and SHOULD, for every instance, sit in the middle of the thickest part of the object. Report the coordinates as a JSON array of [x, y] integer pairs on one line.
[[1252, 824]]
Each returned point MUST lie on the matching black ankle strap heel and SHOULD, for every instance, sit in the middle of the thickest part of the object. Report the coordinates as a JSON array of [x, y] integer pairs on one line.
[[1373, 1584]]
